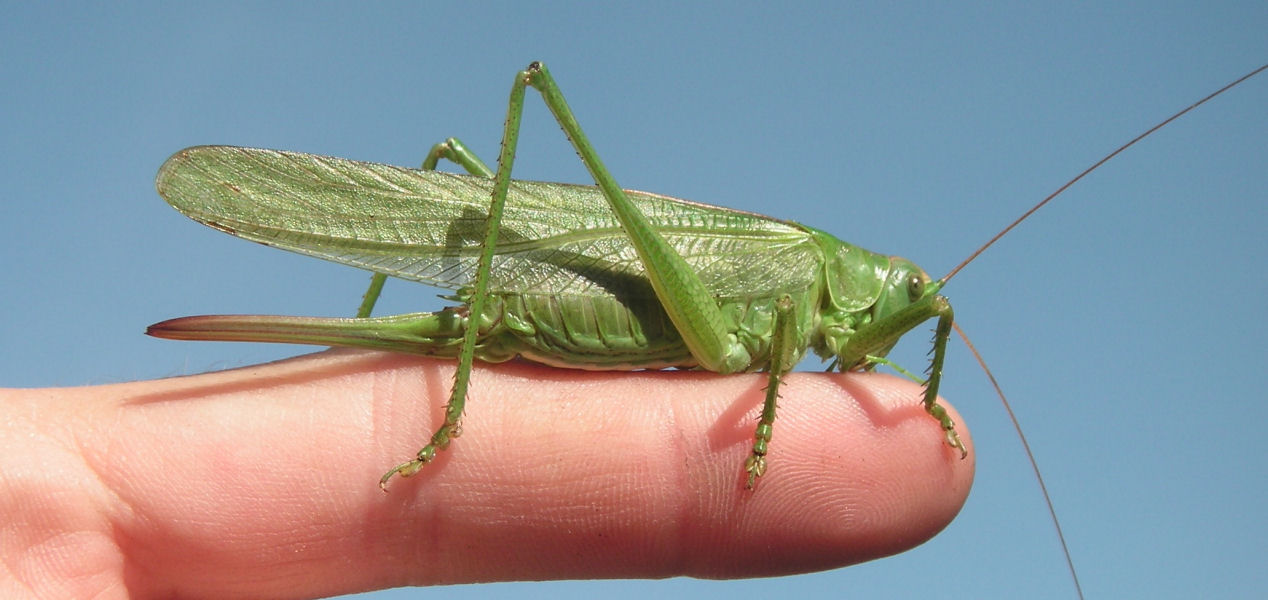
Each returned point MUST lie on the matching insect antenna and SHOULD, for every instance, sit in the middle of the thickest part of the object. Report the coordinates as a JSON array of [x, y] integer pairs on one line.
[[1034, 465], [1094, 166]]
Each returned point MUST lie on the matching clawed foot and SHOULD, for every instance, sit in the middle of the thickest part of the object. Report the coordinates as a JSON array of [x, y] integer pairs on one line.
[[948, 427], [439, 441], [755, 466], [406, 469], [953, 440]]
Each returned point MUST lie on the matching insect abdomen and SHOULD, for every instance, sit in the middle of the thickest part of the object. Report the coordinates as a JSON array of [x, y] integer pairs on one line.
[[604, 333]]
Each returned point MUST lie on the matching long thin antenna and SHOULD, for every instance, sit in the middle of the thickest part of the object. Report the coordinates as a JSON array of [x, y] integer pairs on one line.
[[1097, 164], [1034, 465], [1030, 455]]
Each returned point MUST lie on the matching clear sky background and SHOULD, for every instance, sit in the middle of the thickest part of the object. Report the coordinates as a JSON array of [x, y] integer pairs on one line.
[[1124, 321]]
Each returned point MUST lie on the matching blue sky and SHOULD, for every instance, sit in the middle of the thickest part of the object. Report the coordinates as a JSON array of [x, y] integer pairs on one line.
[[1123, 320]]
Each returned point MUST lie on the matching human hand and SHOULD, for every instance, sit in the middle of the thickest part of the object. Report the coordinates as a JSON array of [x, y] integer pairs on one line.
[[263, 481]]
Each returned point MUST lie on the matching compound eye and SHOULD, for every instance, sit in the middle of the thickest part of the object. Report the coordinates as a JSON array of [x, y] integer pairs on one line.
[[915, 287]]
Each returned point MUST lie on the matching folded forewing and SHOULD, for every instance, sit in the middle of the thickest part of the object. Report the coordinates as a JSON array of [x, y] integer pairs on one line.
[[427, 225]]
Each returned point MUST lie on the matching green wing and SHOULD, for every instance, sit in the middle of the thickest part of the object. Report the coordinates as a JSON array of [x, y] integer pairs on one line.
[[427, 225]]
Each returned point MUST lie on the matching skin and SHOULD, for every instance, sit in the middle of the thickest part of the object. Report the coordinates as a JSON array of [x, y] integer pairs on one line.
[[262, 481]]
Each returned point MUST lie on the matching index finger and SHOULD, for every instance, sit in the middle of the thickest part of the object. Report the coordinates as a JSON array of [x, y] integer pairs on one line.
[[560, 475]]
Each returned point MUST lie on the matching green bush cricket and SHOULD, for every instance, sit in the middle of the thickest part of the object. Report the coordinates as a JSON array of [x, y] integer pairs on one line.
[[571, 276], [572, 287]]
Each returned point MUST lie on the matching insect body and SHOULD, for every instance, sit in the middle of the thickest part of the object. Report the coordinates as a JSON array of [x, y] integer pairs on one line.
[[571, 276], [566, 287]]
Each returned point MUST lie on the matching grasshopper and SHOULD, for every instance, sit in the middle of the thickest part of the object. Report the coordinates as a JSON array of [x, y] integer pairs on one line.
[[589, 277]]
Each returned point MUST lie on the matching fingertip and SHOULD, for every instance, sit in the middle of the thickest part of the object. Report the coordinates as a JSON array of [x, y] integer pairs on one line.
[[857, 470]]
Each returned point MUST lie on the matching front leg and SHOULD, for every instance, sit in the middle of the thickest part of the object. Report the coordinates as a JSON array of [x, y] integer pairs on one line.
[[877, 335]]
